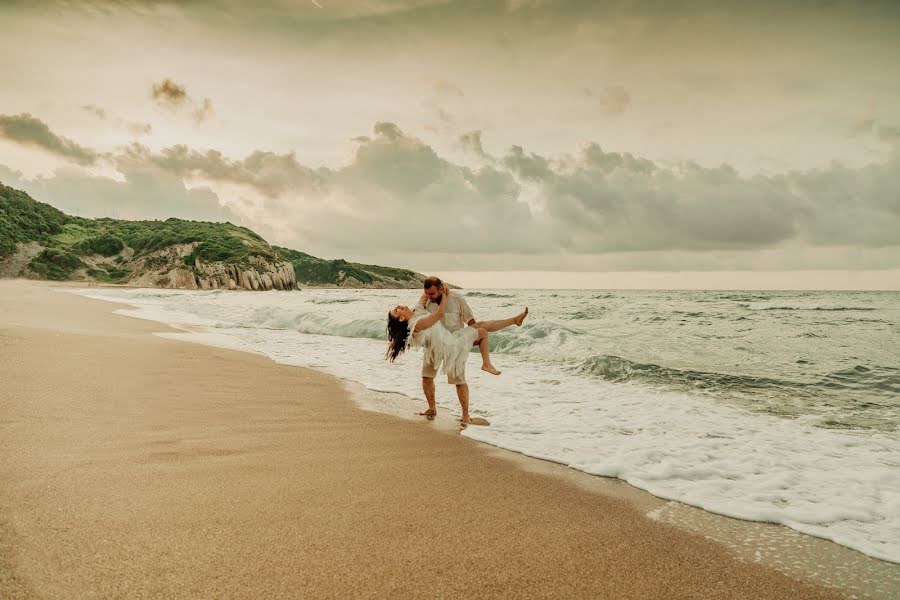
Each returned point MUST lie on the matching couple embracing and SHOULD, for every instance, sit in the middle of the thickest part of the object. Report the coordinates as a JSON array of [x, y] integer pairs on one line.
[[442, 324]]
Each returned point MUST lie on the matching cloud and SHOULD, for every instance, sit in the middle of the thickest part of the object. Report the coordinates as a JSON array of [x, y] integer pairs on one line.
[[445, 88], [95, 110], [890, 134], [398, 197], [138, 129], [613, 100], [30, 131], [174, 96], [204, 111], [269, 173], [864, 124], [169, 93], [133, 127], [527, 166], [471, 142], [144, 193]]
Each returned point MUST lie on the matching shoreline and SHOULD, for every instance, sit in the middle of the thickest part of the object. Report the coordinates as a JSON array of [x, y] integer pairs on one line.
[[125, 286], [197, 330], [793, 553], [394, 434]]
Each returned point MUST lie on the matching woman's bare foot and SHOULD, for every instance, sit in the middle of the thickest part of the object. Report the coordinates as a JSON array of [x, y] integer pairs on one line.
[[428, 413], [521, 317], [490, 369]]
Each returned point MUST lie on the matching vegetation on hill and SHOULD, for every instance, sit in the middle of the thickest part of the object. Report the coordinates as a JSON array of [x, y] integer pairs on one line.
[[113, 251], [68, 239], [317, 271], [23, 219]]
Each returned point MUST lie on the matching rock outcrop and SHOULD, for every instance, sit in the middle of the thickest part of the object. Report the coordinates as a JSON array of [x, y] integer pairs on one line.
[[259, 275], [166, 268]]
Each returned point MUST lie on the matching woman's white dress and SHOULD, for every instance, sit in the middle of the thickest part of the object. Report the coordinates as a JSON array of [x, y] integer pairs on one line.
[[450, 349]]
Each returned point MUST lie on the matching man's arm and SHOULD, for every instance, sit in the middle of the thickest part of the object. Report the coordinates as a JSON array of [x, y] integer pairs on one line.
[[430, 320], [464, 311]]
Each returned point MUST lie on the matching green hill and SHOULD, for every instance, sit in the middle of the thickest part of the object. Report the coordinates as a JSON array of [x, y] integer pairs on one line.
[[39, 241], [320, 272]]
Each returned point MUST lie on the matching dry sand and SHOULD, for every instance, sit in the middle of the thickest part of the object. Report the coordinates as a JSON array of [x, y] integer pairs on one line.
[[134, 466]]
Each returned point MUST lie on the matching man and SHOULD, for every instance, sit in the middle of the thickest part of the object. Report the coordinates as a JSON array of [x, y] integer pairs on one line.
[[457, 314]]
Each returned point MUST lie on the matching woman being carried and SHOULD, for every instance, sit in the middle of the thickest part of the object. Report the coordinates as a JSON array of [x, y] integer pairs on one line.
[[420, 329]]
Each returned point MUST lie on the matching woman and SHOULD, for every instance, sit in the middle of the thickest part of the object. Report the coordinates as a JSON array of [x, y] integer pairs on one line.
[[420, 329]]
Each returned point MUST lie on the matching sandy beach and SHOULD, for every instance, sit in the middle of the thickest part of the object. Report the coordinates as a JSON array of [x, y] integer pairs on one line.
[[133, 466]]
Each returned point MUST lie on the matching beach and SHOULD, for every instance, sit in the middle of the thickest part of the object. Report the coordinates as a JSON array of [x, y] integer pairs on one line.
[[137, 466]]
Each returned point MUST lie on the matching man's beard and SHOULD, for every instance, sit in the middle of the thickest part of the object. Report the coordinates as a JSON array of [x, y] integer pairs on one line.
[[438, 299]]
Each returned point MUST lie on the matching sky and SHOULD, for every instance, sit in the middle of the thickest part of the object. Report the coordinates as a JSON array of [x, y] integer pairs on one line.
[[501, 141]]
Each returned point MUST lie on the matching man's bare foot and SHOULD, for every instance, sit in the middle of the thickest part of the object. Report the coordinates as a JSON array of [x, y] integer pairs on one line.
[[521, 317], [490, 369], [428, 413]]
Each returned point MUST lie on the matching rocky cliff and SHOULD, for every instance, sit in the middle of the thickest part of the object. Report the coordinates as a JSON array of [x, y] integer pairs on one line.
[[166, 268]]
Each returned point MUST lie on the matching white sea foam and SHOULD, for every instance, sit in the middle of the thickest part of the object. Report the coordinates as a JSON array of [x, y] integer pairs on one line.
[[839, 485]]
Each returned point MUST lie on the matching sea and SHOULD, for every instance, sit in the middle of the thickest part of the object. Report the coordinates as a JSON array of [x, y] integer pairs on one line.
[[780, 407]]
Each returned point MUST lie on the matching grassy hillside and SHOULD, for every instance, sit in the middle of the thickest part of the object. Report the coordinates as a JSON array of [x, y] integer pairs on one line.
[[317, 271], [67, 240], [112, 251], [23, 219]]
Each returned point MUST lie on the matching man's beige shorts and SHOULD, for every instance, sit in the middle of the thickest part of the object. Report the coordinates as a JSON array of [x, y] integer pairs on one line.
[[430, 372]]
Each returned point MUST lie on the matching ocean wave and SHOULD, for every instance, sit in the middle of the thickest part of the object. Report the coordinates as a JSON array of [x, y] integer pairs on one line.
[[797, 306], [315, 323], [488, 295], [618, 370], [546, 336], [745, 297], [589, 313], [333, 300], [837, 393], [357, 328], [878, 379]]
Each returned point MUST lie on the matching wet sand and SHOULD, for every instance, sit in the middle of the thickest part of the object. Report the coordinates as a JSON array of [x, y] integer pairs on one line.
[[141, 467]]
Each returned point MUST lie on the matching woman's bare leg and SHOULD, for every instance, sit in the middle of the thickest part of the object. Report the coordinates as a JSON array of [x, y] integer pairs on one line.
[[498, 324], [484, 348]]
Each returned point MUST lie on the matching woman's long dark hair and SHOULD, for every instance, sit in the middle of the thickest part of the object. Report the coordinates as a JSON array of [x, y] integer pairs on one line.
[[398, 337]]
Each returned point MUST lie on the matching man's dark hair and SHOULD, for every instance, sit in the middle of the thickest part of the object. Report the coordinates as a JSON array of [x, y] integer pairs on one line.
[[432, 281]]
